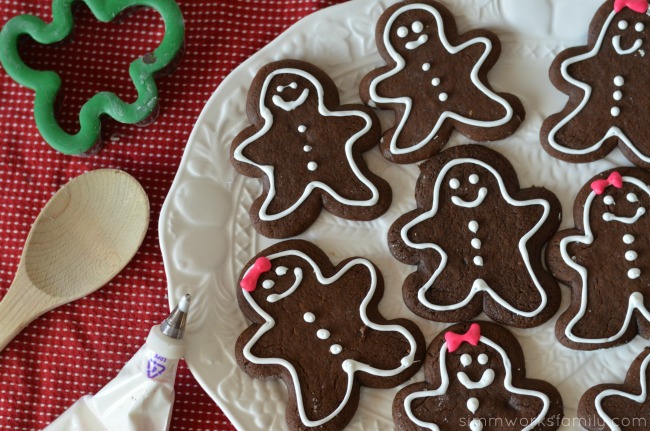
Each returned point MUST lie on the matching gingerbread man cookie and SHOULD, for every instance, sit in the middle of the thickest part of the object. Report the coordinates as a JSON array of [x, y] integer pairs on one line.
[[317, 327], [436, 81], [603, 261], [477, 241], [475, 379], [308, 150], [607, 83]]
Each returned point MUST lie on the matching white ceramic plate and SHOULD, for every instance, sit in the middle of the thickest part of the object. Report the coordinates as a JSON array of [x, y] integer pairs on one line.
[[206, 236]]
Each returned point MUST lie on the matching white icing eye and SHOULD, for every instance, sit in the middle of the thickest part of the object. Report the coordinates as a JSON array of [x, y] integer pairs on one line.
[[622, 24], [473, 179], [267, 284], [466, 360], [631, 197], [417, 27], [454, 183], [402, 32], [639, 27], [608, 200], [281, 270], [443, 97], [482, 359]]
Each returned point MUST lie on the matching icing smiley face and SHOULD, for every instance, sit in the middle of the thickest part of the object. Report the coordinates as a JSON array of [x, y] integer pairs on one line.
[[485, 379], [467, 192], [286, 92], [409, 34], [629, 32]]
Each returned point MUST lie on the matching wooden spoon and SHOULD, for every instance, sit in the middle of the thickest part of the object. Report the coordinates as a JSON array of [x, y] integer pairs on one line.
[[85, 235]]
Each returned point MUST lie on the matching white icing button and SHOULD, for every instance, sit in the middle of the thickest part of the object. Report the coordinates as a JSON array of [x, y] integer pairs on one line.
[[628, 239], [478, 260], [622, 24], [473, 226], [608, 200], [476, 243], [476, 425], [435, 82], [323, 334], [619, 81], [309, 317], [466, 359], [302, 129], [618, 95], [307, 148], [634, 273], [402, 31], [454, 183], [426, 67], [443, 97], [639, 27], [616, 111], [482, 359], [472, 405], [473, 179], [335, 349], [281, 270], [312, 166], [267, 284], [631, 255], [417, 27], [631, 197]]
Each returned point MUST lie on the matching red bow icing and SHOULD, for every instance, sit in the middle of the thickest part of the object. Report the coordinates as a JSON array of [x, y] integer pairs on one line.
[[471, 336], [614, 179], [249, 282], [640, 6]]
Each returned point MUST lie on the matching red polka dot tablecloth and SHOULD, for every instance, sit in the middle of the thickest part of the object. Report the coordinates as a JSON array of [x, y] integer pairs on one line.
[[76, 349]]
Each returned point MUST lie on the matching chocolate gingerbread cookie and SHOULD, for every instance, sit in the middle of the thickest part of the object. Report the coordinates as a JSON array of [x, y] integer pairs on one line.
[[603, 261], [317, 327], [436, 81], [607, 84], [477, 241], [619, 407], [475, 379], [308, 151]]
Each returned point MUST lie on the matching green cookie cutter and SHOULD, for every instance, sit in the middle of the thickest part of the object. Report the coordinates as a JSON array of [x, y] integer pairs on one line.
[[47, 84]]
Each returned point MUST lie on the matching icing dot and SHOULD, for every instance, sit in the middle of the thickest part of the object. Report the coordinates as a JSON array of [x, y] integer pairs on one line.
[[279, 89], [312, 166], [478, 260], [435, 82], [608, 200], [335, 349], [631, 255], [443, 97], [628, 239], [466, 360], [618, 95], [476, 243], [267, 284], [619, 81], [616, 111], [639, 27], [281, 270], [454, 183], [634, 273], [402, 31], [426, 67], [476, 425], [631, 197], [417, 27], [323, 334], [302, 129], [472, 405], [608, 216], [309, 317], [473, 226], [622, 24], [307, 148], [482, 359], [473, 178]]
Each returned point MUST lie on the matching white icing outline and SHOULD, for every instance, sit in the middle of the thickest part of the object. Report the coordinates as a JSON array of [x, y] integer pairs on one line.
[[486, 380], [641, 398], [479, 284], [407, 102], [636, 299], [350, 366], [586, 88], [444, 385], [269, 170]]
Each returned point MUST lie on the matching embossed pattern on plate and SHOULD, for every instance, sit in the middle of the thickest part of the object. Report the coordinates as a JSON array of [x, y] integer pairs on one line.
[[206, 235]]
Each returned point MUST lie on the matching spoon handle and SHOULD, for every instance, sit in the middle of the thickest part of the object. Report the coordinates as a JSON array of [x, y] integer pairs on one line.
[[21, 305]]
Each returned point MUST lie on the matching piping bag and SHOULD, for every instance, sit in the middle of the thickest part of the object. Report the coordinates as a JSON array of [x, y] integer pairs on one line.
[[141, 396]]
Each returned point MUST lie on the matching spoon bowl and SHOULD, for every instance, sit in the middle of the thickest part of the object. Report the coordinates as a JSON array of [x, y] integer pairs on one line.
[[84, 236]]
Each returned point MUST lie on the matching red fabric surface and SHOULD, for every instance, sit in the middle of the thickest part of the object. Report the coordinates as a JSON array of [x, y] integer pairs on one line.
[[77, 348]]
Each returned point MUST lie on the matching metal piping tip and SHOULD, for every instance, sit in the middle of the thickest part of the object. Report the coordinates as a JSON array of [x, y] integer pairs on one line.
[[174, 325]]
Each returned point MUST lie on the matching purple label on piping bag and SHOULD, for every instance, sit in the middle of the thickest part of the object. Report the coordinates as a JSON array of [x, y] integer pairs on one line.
[[154, 367]]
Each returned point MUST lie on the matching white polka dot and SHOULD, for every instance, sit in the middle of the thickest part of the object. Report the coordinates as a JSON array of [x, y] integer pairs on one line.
[[619, 81], [618, 95], [312, 166], [443, 97], [309, 317], [616, 111], [628, 239], [476, 243], [478, 261], [608, 200], [454, 183], [335, 349], [639, 27], [473, 226], [267, 284], [417, 27], [302, 129], [307, 148], [402, 31], [435, 82], [631, 197], [483, 359], [634, 273], [473, 179], [631, 255], [465, 359], [426, 67], [323, 334], [622, 24]]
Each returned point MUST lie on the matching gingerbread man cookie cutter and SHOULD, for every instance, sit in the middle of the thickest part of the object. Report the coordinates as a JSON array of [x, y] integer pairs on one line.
[[47, 84]]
